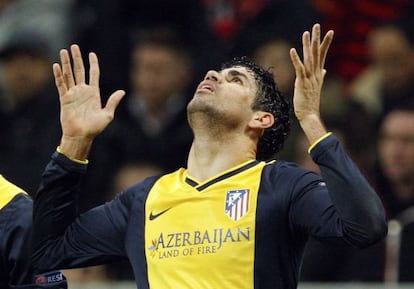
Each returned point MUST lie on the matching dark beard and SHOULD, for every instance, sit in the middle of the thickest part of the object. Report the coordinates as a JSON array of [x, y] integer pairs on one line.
[[202, 115]]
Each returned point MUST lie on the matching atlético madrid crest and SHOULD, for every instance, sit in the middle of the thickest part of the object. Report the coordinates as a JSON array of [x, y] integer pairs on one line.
[[237, 203]]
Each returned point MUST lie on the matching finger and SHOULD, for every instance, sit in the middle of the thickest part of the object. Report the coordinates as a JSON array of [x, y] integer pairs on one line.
[[78, 67], [316, 40], [297, 63], [326, 42], [307, 56], [113, 102], [59, 81], [66, 68], [93, 70]]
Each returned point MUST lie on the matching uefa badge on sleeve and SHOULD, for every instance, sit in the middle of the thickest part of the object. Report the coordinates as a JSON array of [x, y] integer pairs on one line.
[[49, 278]]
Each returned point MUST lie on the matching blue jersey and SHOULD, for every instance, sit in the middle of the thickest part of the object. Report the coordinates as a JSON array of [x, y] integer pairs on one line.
[[15, 234], [244, 228]]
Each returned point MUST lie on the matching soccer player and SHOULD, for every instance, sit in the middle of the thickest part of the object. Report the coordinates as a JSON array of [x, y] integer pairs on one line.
[[15, 229], [231, 219]]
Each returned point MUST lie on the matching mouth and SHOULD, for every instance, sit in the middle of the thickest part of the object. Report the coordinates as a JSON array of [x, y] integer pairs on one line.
[[206, 86]]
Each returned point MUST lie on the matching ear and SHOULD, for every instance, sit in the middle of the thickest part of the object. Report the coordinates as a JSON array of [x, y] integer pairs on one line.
[[262, 120]]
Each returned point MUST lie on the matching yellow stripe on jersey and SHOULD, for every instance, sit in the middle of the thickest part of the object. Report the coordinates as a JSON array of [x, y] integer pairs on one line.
[[8, 191], [318, 141], [196, 237]]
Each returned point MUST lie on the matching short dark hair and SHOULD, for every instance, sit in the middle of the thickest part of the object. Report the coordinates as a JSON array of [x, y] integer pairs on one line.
[[269, 99]]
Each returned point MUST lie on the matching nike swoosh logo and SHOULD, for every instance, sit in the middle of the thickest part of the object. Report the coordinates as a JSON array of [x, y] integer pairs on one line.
[[154, 216]]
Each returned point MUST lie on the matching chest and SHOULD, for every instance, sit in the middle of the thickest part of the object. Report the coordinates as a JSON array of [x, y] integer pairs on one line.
[[193, 230]]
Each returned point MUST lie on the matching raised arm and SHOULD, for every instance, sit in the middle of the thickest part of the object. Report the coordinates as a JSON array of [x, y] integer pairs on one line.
[[310, 74], [82, 115], [62, 238], [357, 214]]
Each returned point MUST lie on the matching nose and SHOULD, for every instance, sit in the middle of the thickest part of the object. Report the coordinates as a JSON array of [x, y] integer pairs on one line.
[[212, 75]]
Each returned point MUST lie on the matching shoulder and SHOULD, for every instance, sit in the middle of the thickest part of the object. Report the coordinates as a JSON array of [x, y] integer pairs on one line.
[[18, 212], [288, 175], [8, 192], [15, 226], [15, 206], [279, 168]]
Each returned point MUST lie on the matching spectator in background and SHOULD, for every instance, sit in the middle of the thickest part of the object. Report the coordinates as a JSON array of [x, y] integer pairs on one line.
[[395, 184], [353, 20], [151, 125], [389, 79], [27, 110], [228, 17], [153, 113], [49, 18], [273, 54], [107, 26], [396, 158], [251, 20]]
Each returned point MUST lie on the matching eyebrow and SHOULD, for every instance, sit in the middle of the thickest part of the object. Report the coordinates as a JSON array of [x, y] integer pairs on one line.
[[234, 72]]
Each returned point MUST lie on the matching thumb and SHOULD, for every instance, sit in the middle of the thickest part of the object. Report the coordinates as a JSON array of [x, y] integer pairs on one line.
[[114, 101]]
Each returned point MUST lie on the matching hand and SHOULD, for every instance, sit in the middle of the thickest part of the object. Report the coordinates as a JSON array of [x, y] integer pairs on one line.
[[309, 79], [82, 116], [310, 73]]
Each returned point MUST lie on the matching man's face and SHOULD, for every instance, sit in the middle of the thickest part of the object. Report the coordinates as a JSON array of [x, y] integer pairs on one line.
[[157, 73], [25, 75], [393, 55], [275, 55], [226, 94], [396, 146]]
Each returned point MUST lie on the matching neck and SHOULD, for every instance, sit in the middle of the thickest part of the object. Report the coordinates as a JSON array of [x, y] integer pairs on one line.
[[211, 154]]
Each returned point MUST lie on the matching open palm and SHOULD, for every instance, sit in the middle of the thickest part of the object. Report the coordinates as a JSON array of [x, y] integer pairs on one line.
[[82, 114]]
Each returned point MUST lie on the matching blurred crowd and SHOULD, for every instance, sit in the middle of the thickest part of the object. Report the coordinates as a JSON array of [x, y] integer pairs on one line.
[[158, 50]]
